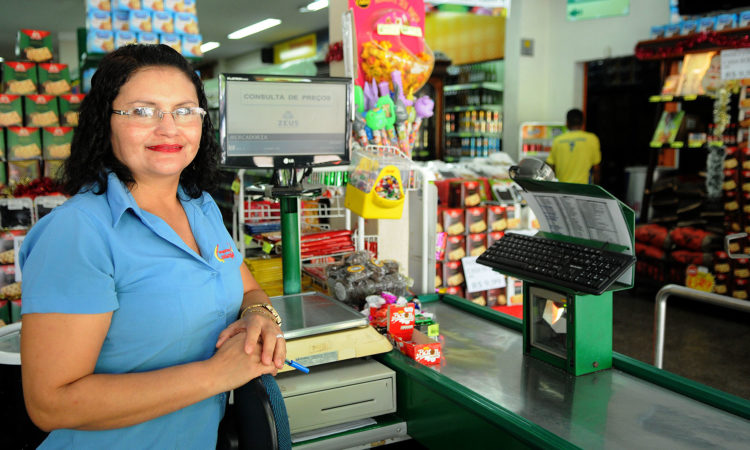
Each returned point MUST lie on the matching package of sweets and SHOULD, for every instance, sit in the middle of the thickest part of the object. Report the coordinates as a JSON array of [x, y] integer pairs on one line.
[[11, 109], [187, 6], [496, 218], [726, 21], [453, 273], [98, 20], [657, 32], [476, 244], [706, 24], [148, 38], [453, 221], [22, 171], [438, 274], [172, 40], [475, 219], [152, 5], [494, 236], [479, 298], [744, 19], [34, 45], [123, 38], [140, 21], [162, 21], [102, 5], [56, 142], [689, 27], [455, 248], [53, 168], [121, 20], [19, 78], [69, 106], [126, 4], [54, 79], [191, 45], [23, 143], [458, 291], [673, 29], [40, 110], [185, 23], [513, 216], [100, 41], [496, 297]]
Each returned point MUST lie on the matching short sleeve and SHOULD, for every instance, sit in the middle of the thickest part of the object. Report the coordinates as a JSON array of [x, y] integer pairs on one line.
[[67, 266]]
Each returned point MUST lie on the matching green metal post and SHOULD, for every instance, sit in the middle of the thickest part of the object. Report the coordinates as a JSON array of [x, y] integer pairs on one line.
[[290, 249]]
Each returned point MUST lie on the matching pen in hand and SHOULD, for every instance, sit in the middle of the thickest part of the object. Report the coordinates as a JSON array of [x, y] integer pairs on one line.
[[297, 366]]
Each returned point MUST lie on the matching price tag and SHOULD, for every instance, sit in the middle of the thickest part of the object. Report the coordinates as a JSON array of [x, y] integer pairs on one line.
[[267, 247], [479, 277], [735, 64]]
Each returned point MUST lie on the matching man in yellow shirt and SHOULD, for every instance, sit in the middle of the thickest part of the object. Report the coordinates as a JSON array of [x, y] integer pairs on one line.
[[575, 153]]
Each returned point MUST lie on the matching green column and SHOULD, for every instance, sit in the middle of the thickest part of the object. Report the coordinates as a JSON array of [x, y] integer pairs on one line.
[[290, 250]]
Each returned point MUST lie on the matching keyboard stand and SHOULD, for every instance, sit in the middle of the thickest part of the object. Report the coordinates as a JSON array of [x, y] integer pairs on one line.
[[565, 328]]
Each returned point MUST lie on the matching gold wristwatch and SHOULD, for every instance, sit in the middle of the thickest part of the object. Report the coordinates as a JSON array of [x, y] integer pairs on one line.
[[265, 306]]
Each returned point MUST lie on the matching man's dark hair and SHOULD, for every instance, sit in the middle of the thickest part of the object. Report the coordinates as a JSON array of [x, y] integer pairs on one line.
[[574, 118], [91, 156]]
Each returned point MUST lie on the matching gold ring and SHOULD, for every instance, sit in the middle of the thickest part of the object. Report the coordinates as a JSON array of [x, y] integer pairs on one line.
[[279, 336]]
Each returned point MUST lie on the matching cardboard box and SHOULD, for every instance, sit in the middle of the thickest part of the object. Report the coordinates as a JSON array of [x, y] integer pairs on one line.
[[163, 22], [186, 23], [123, 38], [657, 32], [673, 29], [453, 221], [152, 5], [479, 298], [458, 291], [140, 21], [19, 78], [466, 193], [11, 110], [453, 274], [706, 24], [496, 219], [725, 22], [513, 216], [476, 244], [455, 248], [54, 79], [126, 4], [493, 237], [97, 19], [24, 143], [103, 5], [421, 348], [34, 45], [172, 40], [148, 38], [191, 45], [100, 41], [56, 142], [513, 291], [401, 320], [69, 105], [475, 219], [121, 20], [438, 274], [688, 27], [41, 111], [187, 6], [496, 297], [744, 19]]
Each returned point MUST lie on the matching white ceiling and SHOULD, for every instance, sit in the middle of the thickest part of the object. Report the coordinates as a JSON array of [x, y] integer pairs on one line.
[[216, 19]]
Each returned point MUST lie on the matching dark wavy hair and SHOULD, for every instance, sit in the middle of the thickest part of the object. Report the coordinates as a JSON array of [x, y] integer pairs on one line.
[[91, 156]]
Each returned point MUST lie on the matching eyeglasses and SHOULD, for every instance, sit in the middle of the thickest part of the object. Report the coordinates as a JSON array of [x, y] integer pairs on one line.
[[148, 116]]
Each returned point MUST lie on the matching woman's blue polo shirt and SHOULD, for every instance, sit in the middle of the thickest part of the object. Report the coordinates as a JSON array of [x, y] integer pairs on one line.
[[101, 253]]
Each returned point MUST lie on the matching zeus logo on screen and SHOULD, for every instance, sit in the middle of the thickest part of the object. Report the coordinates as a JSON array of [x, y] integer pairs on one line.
[[288, 121]]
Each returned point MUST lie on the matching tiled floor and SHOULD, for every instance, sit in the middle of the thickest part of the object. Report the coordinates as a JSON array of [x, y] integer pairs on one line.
[[705, 343]]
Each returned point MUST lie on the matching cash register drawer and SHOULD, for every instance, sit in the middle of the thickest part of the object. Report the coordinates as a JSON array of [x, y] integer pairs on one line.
[[336, 393]]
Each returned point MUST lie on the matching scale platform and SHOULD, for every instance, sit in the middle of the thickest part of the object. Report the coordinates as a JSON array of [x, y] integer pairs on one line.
[[320, 330]]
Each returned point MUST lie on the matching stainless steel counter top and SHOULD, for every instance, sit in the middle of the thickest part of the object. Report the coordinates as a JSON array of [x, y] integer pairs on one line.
[[312, 313]]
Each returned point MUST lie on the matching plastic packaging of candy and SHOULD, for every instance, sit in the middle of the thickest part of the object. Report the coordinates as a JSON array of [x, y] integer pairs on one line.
[[359, 275]]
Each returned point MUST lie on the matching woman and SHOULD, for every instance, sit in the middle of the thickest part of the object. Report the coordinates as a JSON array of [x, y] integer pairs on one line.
[[132, 287]]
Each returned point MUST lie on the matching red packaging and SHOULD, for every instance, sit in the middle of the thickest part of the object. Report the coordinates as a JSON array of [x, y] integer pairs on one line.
[[476, 244], [420, 348], [513, 216], [731, 179], [745, 158], [475, 219], [401, 321], [438, 274], [513, 291], [466, 194], [453, 221], [453, 290], [440, 240], [740, 289], [731, 158], [496, 297], [455, 248], [496, 220], [493, 237], [480, 298], [721, 283], [453, 273], [740, 269]]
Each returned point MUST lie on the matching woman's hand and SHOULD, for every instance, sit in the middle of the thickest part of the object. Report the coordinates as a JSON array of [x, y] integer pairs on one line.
[[261, 331], [236, 366]]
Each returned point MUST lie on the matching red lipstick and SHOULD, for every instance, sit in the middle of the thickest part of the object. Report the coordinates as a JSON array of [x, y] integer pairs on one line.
[[166, 148]]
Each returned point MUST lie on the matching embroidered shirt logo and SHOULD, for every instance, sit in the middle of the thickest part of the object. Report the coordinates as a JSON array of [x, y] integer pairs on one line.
[[223, 254]]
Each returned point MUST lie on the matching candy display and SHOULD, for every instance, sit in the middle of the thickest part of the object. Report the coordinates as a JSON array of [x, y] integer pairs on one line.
[[359, 275], [375, 189], [380, 58]]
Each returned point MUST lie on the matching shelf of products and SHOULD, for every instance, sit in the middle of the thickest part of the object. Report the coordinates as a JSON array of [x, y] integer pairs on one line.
[[536, 137]]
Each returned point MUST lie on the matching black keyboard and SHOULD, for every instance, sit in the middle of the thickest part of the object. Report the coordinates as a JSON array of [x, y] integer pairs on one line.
[[578, 267]]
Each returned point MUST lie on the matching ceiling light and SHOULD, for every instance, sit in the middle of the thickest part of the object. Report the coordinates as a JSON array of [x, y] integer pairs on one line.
[[208, 46], [317, 5], [254, 28]]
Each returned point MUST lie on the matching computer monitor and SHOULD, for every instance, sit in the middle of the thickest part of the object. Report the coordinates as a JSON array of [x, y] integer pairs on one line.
[[284, 122]]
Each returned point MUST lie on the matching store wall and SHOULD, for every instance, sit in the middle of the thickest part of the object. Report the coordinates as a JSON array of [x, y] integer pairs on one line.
[[544, 86]]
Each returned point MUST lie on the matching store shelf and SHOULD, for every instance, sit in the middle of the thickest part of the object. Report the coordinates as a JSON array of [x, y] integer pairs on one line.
[[469, 134], [676, 98], [486, 107], [678, 46], [491, 86]]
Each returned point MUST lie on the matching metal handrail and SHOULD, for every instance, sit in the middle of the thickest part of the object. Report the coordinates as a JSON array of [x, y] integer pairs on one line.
[[682, 291]]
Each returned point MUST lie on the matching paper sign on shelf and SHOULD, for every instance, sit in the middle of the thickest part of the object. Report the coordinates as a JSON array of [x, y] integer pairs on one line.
[[735, 64], [479, 277]]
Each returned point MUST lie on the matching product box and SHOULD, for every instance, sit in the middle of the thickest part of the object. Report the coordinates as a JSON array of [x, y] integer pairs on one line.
[[494, 236], [56, 142], [420, 348], [121, 20], [480, 298], [455, 248], [496, 297], [465, 194], [172, 40], [102, 5], [438, 274], [185, 23], [11, 110], [496, 218], [187, 6], [401, 320], [140, 21], [53, 168], [126, 4], [162, 21], [19, 78], [657, 32], [476, 244], [100, 41], [23, 171], [513, 291], [40, 110], [54, 79], [706, 24], [69, 106], [97, 19], [725, 22], [152, 5], [23, 143], [740, 289], [34, 45], [453, 221], [689, 27], [440, 239], [191, 45], [148, 38], [453, 273], [513, 216], [744, 19], [475, 219], [458, 291], [672, 29], [123, 38]]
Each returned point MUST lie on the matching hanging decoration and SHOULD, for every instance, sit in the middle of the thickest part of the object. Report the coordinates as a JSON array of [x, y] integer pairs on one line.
[[673, 48]]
